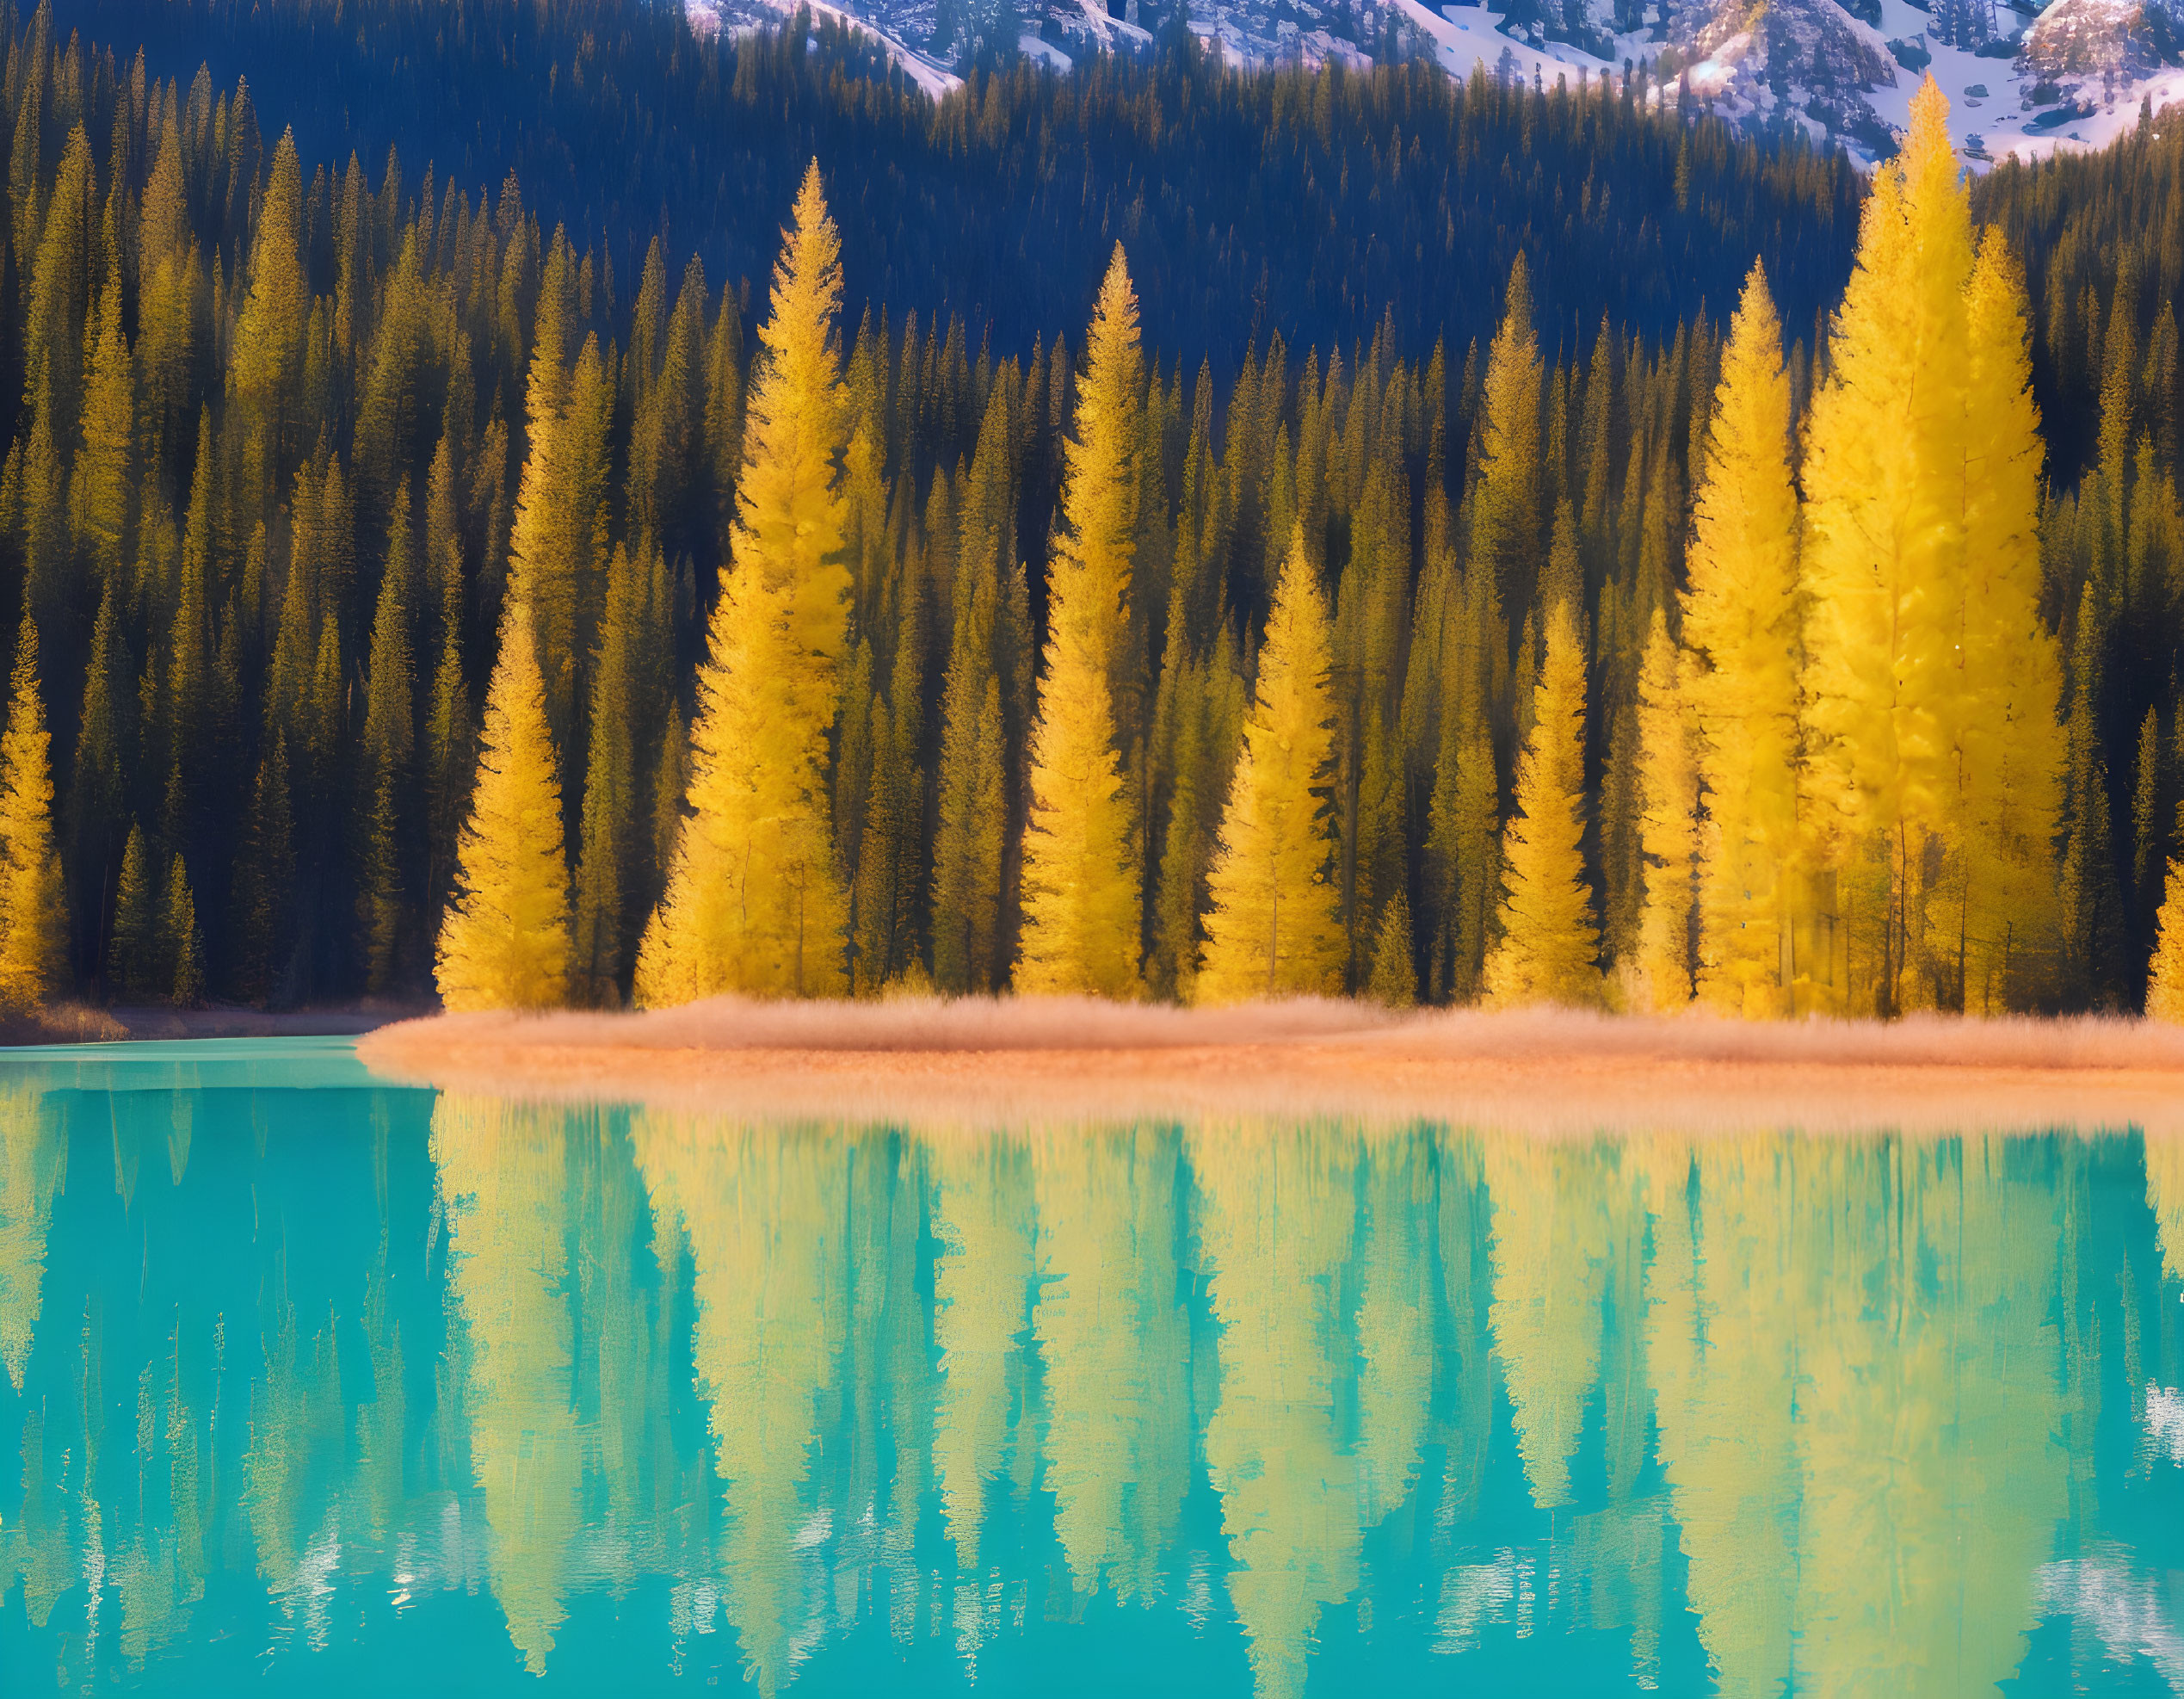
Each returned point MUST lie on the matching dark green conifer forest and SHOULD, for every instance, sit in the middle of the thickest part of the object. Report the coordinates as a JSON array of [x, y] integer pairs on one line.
[[280, 336]]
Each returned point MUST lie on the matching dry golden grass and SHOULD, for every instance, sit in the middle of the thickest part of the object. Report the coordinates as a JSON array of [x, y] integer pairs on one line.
[[62, 1023], [984, 1062]]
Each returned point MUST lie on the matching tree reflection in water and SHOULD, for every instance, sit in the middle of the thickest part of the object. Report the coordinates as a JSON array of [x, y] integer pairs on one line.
[[1248, 1407]]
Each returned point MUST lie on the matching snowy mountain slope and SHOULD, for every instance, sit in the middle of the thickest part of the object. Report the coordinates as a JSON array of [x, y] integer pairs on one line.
[[1843, 70], [708, 16]]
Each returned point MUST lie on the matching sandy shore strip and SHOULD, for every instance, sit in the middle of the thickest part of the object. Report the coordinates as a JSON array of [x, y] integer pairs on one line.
[[1020, 1063]]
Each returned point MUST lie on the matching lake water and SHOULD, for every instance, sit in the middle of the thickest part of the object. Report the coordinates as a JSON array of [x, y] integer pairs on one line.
[[318, 1386]]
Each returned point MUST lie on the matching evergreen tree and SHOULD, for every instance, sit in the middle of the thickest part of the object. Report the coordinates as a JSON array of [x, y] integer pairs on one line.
[[2145, 825], [669, 784], [181, 950], [259, 906], [96, 805], [1669, 762], [2090, 905], [1550, 944], [971, 836], [1741, 627], [886, 945], [33, 923], [607, 858], [1203, 709], [1506, 509], [557, 554], [383, 786], [269, 332], [450, 753], [100, 492], [132, 965], [754, 900], [1081, 879], [1463, 846], [504, 943], [1275, 929], [1394, 980]]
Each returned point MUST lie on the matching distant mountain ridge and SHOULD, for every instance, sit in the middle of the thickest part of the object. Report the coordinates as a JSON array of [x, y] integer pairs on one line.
[[1843, 70]]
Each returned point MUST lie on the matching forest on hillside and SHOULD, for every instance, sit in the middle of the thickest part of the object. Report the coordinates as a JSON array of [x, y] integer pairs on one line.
[[1317, 205], [1253, 636]]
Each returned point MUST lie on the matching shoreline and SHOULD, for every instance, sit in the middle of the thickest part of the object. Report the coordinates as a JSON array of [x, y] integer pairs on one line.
[[1017, 1064]]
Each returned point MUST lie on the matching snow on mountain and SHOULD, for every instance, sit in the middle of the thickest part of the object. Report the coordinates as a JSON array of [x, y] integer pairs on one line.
[[707, 16], [1843, 70]]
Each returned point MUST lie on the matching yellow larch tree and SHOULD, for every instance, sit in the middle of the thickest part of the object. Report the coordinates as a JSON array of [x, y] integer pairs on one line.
[[1884, 562], [754, 900], [1275, 927], [1669, 833], [1550, 944], [33, 923], [505, 942], [1742, 631], [1993, 926], [1080, 876], [2165, 981]]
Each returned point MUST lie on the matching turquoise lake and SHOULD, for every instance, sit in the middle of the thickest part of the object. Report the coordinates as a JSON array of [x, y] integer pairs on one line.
[[320, 1386]]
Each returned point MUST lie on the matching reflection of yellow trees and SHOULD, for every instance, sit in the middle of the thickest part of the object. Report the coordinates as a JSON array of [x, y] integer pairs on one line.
[[160, 1568], [295, 1428], [1561, 1212], [1928, 1396], [31, 1155], [982, 1216], [1112, 1338], [1277, 1210], [503, 1171], [623, 1388], [2165, 1197], [1845, 1351], [1856, 1384], [1467, 1290], [40, 1547], [763, 1209], [1395, 1321], [1723, 1352], [880, 1453]]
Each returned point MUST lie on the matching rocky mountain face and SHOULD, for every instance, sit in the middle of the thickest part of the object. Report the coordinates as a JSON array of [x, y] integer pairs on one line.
[[1785, 59], [1841, 71], [2085, 46]]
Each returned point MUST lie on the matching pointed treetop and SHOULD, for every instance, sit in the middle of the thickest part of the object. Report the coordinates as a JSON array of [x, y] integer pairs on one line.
[[25, 705], [807, 287], [1516, 308], [1113, 331], [1755, 323], [1927, 142], [810, 198]]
